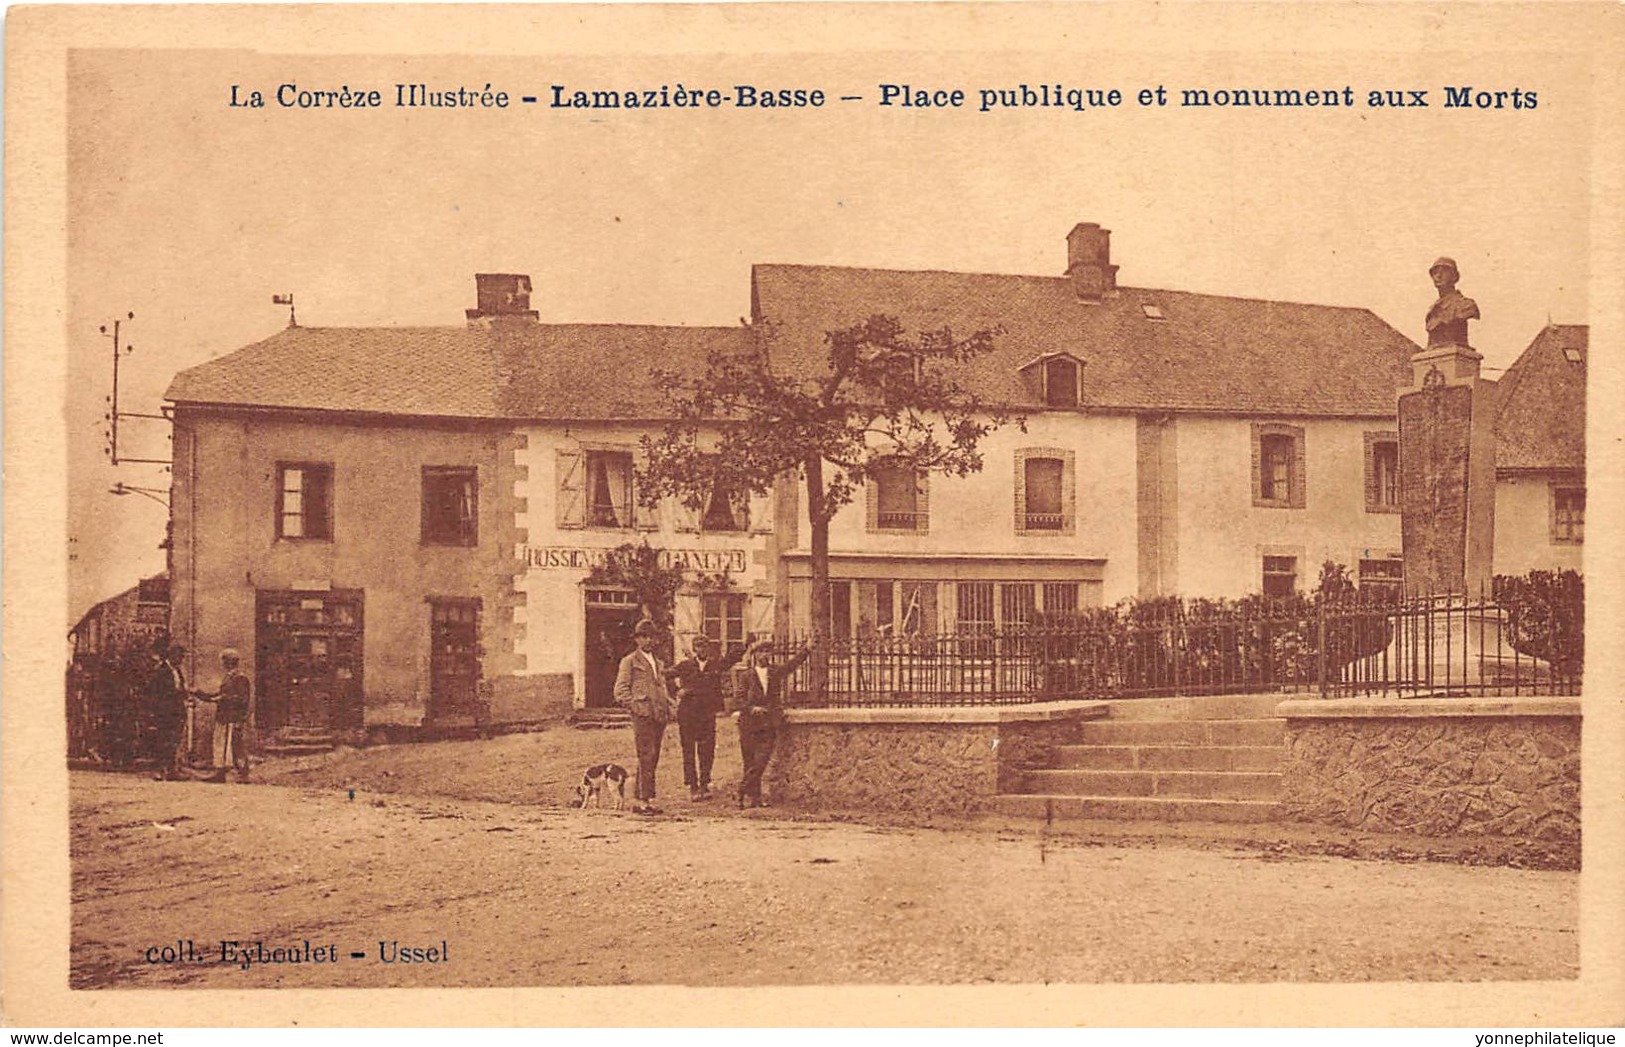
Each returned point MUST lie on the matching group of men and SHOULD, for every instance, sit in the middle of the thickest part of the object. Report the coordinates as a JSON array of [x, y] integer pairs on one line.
[[693, 693], [169, 698]]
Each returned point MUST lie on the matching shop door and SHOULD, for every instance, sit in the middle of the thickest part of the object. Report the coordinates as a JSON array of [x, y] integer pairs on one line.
[[611, 617], [309, 657], [454, 659]]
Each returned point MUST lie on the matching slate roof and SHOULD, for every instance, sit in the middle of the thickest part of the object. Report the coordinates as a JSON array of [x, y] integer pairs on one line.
[[504, 371], [1209, 353], [1541, 417]]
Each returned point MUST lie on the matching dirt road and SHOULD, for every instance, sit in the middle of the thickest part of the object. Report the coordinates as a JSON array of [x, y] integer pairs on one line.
[[530, 896]]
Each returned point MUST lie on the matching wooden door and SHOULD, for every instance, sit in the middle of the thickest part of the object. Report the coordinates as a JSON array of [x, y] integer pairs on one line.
[[454, 658]]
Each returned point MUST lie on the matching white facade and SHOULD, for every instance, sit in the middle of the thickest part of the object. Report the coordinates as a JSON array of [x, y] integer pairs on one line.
[[1525, 536], [564, 614]]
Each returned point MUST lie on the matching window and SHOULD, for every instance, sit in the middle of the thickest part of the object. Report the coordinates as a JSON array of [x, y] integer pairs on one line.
[[1382, 576], [975, 606], [726, 509], [609, 488], [450, 512], [1060, 596], [1278, 466], [1280, 575], [1043, 496], [722, 618], [1061, 382], [885, 609], [1381, 472], [897, 498], [1017, 602], [1568, 515], [304, 506], [917, 608], [840, 611]]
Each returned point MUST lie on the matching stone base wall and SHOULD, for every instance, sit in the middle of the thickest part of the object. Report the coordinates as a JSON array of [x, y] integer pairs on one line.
[[948, 761], [1448, 767]]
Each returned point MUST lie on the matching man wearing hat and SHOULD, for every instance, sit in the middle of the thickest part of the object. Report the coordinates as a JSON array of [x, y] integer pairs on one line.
[[230, 718], [640, 685], [1448, 316], [166, 697], [701, 681]]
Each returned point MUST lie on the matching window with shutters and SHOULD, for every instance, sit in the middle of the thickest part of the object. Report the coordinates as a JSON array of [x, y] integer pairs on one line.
[[450, 505], [609, 488], [1568, 515], [1382, 472], [304, 503], [1278, 466], [722, 618], [1045, 491], [726, 509], [897, 498]]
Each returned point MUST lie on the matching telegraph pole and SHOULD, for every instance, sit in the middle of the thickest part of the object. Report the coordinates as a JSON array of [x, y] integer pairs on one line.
[[114, 414]]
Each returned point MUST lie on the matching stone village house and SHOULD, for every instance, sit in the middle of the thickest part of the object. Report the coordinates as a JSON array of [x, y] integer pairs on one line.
[[397, 525]]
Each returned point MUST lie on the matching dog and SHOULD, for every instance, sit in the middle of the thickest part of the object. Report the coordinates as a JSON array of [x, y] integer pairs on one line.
[[603, 777]]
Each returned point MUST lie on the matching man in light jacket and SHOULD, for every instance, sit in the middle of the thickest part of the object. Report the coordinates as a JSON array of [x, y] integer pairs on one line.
[[640, 686]]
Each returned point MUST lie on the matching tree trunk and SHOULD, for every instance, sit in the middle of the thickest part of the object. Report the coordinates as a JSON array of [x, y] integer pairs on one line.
[[818, 520]]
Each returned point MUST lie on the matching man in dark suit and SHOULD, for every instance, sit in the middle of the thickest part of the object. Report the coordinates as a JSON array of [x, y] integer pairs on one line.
[[700, 681], [761, 713], [640, 685], [167, 698]]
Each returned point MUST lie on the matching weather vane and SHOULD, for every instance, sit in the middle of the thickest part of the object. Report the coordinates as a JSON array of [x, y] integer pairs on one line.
[[287, 300]]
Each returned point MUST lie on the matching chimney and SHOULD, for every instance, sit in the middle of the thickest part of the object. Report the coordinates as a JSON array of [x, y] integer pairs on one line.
[[504, 296], [1089, 261]]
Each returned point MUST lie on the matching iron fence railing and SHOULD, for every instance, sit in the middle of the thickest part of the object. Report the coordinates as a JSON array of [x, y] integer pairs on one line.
[[1451, 645]]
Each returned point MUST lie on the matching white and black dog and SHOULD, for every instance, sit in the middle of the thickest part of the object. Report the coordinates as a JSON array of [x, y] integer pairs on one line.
[[605, 777]]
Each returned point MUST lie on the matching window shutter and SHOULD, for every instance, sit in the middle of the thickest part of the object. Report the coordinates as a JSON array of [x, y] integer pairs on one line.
[[1372, 494], [571, 501], [759, 510], [1300, 479], [1021, 491], [1258, 474], [644, 517], [922, 502], [684, 519]]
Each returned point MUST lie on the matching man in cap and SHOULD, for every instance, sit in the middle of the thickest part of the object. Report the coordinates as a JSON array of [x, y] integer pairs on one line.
[[230, 718], [1448, 316], [700, 682], [640, 685]]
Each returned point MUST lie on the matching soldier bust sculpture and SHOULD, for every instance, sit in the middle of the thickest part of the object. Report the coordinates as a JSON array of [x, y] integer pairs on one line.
[[1447, 319]]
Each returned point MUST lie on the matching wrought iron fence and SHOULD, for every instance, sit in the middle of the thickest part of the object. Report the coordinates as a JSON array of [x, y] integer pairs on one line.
[[1435, 645]]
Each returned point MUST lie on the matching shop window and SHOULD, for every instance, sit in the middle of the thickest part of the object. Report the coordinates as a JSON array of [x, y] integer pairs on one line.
[[917, 608], [1017, 602], [304, 507], [1060, 596], [450, 505]]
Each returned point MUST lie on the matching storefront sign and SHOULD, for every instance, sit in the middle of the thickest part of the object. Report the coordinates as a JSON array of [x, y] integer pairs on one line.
[[550, 557]]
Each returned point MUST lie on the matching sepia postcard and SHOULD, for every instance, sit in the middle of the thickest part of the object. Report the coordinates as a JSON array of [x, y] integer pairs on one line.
[[813, 514]]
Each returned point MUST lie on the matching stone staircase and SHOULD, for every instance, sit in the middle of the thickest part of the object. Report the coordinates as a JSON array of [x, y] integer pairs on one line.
[[1176, 760]]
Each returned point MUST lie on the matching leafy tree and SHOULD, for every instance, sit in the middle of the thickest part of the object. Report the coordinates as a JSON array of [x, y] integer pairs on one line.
[[879, 397]]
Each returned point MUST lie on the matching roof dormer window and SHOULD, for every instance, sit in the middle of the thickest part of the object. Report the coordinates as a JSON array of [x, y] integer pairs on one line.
[[1061, 382]]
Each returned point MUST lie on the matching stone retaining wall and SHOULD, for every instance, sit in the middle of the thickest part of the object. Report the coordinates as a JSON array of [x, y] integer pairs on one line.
[[1500, 767], [932, 761]]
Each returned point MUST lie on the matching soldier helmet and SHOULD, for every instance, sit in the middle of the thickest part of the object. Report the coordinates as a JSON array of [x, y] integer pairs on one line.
[[1445, 263]]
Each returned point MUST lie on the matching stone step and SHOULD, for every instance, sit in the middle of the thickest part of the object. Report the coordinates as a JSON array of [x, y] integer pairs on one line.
[[1270, 731], [296, 748], [1053, 807], [1207, 707], [1167, 757], [1191, 785]]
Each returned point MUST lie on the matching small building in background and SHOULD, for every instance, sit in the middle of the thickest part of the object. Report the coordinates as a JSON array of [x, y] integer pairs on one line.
[[1540, 455]]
